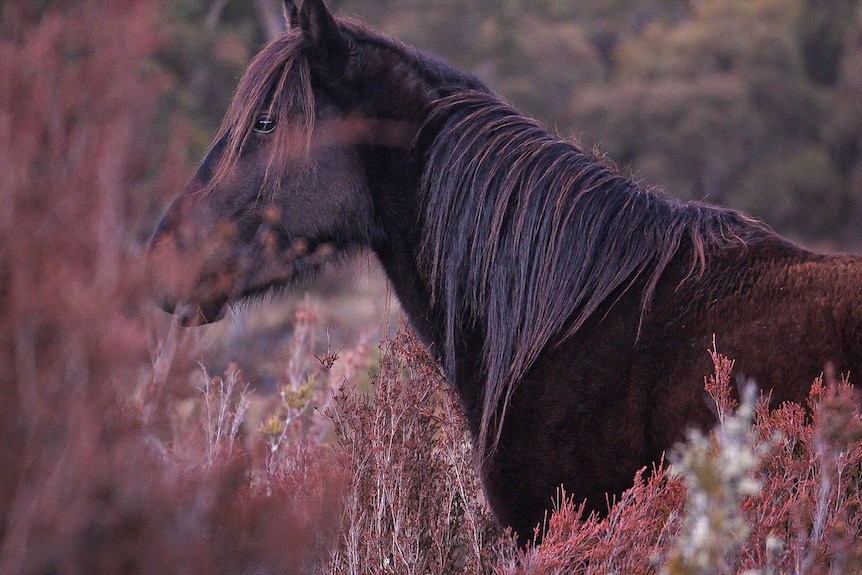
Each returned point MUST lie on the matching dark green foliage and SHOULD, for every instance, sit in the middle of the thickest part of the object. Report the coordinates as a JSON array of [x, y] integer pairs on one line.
[[823, 36]]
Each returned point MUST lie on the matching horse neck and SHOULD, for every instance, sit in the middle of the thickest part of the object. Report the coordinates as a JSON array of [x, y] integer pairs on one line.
[[394, 170], [395, 175], [394, 166]]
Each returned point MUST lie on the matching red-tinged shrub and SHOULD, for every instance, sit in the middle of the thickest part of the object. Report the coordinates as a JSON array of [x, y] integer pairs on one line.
[[91, 478], [804, 466], [633, 538], [414, 502], [113, 503], [807, 517], [79, 92]]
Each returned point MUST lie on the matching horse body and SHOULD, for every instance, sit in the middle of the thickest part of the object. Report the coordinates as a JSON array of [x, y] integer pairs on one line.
[[606, 402], [571, 308]]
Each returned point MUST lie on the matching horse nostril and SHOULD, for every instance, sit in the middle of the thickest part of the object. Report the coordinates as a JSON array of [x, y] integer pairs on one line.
[[166, 271], [165, 302]]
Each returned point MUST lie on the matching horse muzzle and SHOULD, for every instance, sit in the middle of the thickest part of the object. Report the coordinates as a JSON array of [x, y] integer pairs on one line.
[[197, 290]]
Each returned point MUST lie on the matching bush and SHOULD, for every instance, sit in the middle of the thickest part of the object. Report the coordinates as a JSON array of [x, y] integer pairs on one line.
[[93, 480], [414, 502], [767, 492]]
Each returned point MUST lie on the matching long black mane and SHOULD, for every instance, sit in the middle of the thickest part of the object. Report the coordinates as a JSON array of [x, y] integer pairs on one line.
[[527, 235]]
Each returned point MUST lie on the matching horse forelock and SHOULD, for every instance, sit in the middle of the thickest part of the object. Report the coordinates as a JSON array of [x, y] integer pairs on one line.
[[527, 236], [277, 83]]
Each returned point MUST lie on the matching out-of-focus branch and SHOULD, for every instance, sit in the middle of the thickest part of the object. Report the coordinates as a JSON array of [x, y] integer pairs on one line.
[[213, 16], [269, 18]]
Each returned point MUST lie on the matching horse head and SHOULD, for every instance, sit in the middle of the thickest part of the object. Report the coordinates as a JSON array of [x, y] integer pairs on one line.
[[287, 186]]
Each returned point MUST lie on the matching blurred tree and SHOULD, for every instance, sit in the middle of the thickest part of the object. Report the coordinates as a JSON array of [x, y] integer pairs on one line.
[[269, 17], [823, 30], [846, 125], [210, 43], [720, 106]]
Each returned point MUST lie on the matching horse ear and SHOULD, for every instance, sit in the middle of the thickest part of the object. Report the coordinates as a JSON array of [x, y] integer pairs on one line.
[[328, 47], [291, 14]]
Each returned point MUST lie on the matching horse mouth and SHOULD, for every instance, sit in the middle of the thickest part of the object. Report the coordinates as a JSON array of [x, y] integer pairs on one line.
[[192, 315], [272, 274]]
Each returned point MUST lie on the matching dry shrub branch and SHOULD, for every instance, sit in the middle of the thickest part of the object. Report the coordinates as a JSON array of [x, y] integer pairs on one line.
[[768, 491], [414, 503]]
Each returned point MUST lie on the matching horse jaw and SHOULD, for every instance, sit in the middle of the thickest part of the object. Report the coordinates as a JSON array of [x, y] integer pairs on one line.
[[199, 285]]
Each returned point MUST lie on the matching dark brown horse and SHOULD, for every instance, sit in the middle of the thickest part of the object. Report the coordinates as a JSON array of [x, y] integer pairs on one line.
[[571, 308]]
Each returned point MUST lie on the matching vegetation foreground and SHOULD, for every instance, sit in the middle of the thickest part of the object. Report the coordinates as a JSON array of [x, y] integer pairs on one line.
[[332, 480], [110, 464]]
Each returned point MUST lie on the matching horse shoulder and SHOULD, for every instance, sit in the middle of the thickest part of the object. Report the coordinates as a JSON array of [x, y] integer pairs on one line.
[[577, 418]]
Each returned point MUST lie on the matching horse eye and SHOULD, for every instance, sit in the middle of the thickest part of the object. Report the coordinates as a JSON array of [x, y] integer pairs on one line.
[[264, 124]]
